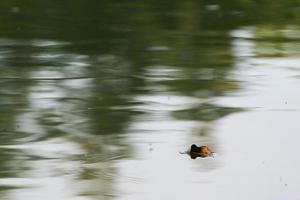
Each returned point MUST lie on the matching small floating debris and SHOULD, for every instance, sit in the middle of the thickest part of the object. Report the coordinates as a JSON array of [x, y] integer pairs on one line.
[[202, 152]]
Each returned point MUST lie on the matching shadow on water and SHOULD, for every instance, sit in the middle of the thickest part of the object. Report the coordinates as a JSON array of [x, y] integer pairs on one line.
[[87, 85]]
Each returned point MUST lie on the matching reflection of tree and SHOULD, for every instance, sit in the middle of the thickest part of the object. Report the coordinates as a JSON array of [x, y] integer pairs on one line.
[[95, 115], [109, 41], [205, 112], [88, 20], [203, 57], [110, 100], [45, 96], [13, 99]]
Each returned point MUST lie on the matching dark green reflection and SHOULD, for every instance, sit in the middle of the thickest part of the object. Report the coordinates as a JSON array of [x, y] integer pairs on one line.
[[205, 112]]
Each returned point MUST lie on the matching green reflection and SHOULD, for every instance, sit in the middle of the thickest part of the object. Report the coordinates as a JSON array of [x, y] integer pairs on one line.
[[205, 112]]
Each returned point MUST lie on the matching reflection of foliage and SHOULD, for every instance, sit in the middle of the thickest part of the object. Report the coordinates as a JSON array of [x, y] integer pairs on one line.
[[202, 88], [110, 103], [274, 41], [120, 31], [8, 137], [14, 167], [205, 112], [110, 121], [87, 20]]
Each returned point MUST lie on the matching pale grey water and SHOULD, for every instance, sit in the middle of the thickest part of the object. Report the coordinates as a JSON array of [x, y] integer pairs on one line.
[[258, 155]]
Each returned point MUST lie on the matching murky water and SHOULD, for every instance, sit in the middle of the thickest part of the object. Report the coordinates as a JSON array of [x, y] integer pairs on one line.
[[98, 98]]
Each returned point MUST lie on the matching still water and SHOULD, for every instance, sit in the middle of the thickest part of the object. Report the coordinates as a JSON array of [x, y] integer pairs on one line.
[[98, 98]]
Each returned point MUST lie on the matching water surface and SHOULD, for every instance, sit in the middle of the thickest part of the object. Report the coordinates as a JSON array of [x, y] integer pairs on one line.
[[98, 98]]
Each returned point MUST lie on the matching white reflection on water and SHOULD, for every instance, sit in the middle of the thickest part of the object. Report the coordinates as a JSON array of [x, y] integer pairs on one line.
[[260, 146], [52, 174], [257, 150], [157, 139], [258, 155], [48, 43]]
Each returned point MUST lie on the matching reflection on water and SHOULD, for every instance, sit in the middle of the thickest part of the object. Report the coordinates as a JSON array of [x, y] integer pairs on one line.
[[94, 106]]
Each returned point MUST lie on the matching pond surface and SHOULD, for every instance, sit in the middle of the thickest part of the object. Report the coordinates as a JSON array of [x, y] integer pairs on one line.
[[98, 99]]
